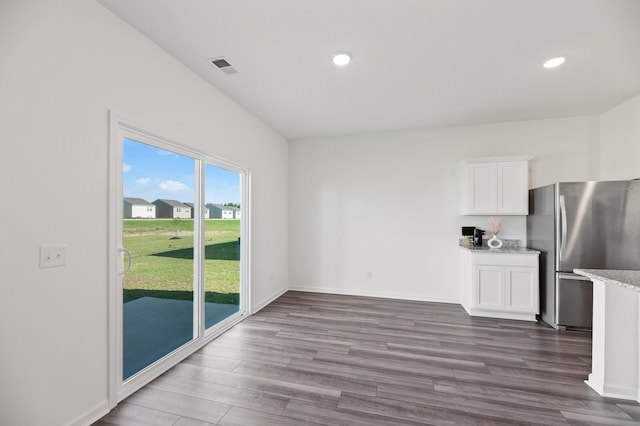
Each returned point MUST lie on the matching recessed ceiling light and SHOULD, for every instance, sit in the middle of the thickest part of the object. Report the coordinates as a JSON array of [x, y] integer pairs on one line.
[[341, 59], [555, 62]]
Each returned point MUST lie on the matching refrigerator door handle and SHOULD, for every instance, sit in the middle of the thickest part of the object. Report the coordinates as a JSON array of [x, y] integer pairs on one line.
[[563, 230], [573, 277]]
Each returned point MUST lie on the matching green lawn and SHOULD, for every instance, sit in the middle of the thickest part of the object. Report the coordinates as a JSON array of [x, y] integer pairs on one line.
[[162, 265]]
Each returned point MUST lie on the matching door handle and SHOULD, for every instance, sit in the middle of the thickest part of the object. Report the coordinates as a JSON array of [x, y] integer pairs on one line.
[[128, 268], [573, 277], [563, 218]]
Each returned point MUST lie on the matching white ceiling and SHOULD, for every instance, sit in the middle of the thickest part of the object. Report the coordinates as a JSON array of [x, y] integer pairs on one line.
[[416, 63]]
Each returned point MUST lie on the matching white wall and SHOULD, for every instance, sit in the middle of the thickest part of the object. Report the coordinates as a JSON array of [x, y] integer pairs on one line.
[[63, 65], [386, 203], [620, 141]]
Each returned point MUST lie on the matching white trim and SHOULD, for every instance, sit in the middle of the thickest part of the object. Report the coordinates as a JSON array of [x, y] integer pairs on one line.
[[245, 242], [120, 128], [488, 313], [620, 392], [268, 300], [198, 253], [609, 391], [595, 384], [139, 130], [378, 294], [92, 415], [114, 369]]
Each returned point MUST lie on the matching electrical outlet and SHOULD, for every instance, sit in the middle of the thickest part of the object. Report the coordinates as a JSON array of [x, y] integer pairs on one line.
[[369, 275], [52, 256]]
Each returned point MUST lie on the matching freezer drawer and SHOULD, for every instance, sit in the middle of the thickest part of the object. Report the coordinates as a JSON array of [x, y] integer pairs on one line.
[[574, 300]]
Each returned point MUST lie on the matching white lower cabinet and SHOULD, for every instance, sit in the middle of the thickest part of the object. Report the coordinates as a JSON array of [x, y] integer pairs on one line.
[[489, 293], [499, 285]]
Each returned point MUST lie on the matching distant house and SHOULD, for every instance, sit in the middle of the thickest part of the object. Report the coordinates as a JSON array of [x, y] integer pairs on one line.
[[138, 208], [218, 211], [172, 209], [193, 211], [236, 212]]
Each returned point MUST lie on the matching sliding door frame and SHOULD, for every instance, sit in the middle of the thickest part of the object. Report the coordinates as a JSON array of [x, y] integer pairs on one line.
[[120, 128]]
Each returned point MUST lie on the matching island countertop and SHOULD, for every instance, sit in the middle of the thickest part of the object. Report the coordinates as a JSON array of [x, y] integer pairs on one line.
[[622, 278]]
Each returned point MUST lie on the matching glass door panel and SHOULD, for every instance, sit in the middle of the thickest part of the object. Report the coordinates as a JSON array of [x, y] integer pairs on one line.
[[221, 244], [158, 231]]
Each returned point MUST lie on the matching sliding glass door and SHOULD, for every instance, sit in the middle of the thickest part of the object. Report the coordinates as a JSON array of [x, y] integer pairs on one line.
[[158, 232], [221, 244], [178, 253]]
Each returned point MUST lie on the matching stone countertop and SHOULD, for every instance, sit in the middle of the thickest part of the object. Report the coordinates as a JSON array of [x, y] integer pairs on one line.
[[622, 278], [502, 250]]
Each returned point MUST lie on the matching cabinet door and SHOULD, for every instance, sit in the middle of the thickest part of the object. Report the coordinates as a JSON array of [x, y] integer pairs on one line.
[[513, 187], [483, 195], [488, 287], [521, 289]]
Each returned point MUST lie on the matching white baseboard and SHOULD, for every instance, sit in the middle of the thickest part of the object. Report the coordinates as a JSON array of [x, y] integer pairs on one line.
[[383, 295], [265, 302], [620, 392], [609, 391], [501, 314], [595, 384], [92, 415]]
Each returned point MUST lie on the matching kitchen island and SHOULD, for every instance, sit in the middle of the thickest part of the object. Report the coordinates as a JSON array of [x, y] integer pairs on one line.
[[615, 368]]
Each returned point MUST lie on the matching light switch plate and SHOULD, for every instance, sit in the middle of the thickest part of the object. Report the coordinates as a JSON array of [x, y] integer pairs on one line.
[[52, 256]]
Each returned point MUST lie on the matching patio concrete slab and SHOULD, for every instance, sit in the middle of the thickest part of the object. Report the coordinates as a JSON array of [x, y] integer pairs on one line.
[[154, 327]]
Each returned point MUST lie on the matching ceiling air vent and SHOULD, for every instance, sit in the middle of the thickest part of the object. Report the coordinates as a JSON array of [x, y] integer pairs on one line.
[[224, 65]]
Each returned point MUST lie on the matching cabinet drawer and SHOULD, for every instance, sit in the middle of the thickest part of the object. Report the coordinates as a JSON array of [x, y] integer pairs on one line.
[[506, 259]]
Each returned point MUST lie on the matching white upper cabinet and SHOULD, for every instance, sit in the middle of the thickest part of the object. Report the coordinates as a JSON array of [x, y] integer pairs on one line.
[[513, 187], [483, 188], [494, 187]]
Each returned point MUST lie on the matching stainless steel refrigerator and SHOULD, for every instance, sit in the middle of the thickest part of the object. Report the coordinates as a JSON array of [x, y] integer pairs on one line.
[[584, 225]]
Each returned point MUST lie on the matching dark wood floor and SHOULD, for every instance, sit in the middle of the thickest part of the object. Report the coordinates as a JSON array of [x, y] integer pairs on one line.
[[323, 359]]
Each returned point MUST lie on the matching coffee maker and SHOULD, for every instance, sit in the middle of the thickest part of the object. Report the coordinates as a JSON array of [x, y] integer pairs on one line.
[[473, 235], [477, 237]]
